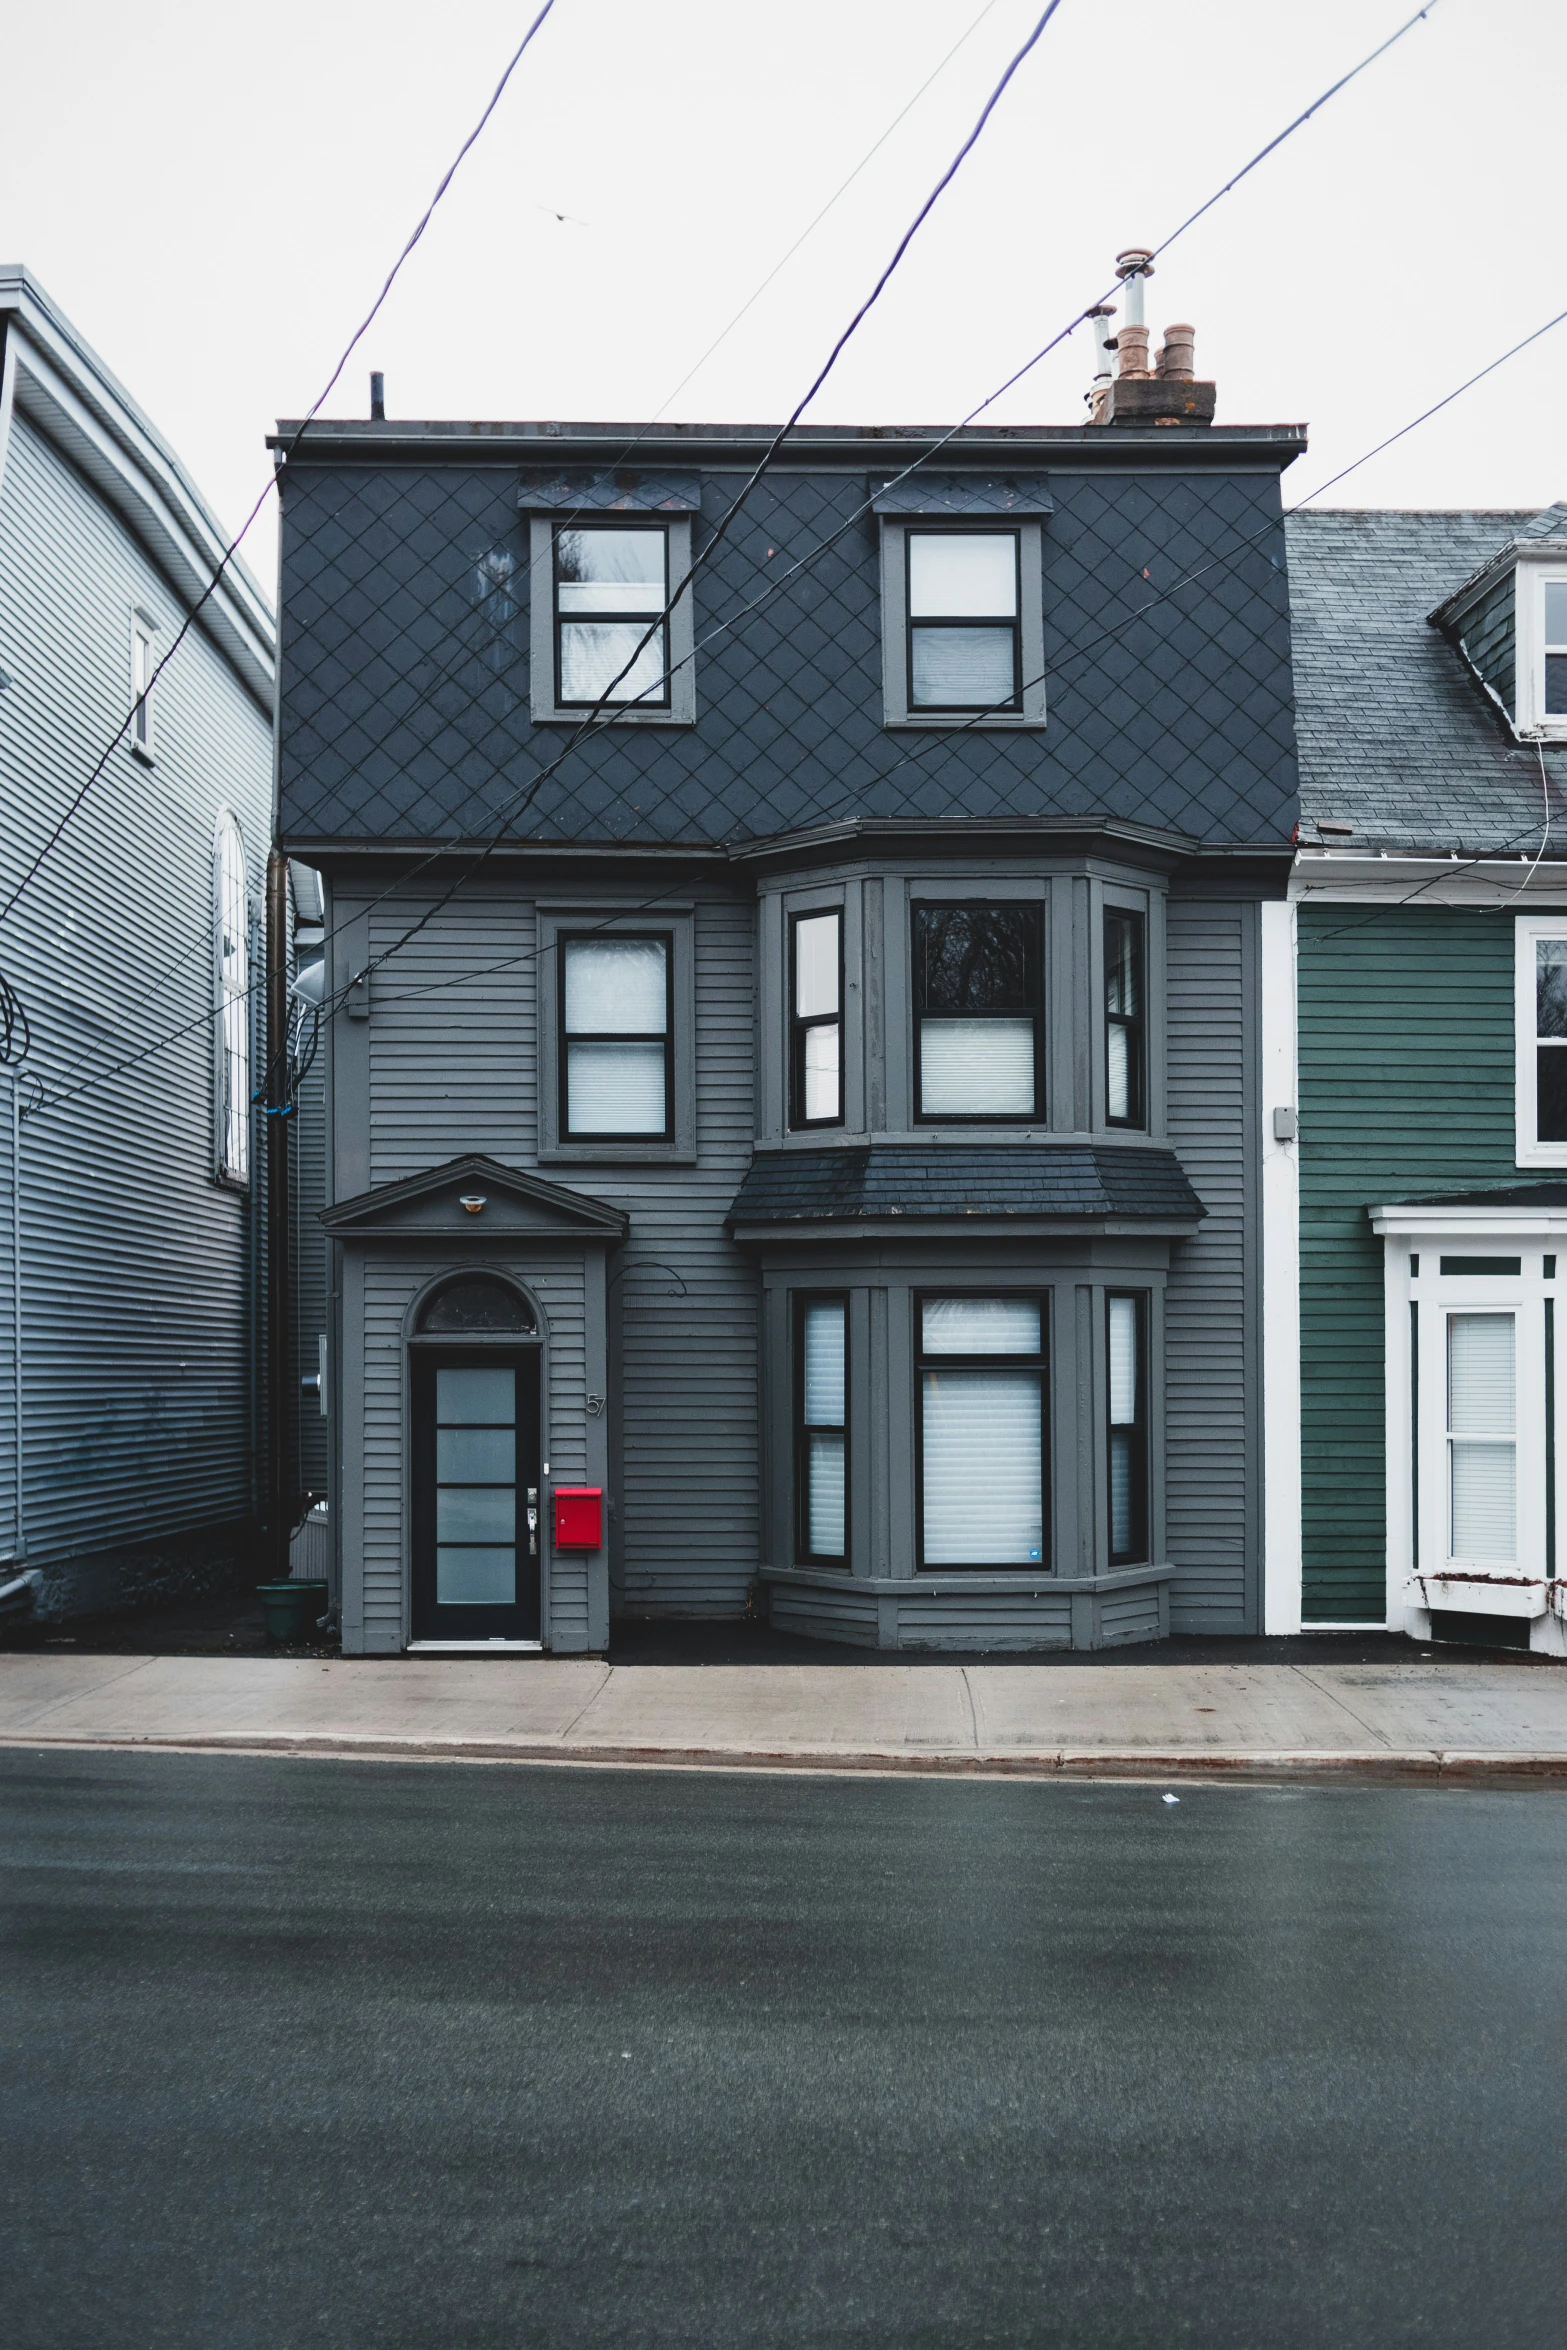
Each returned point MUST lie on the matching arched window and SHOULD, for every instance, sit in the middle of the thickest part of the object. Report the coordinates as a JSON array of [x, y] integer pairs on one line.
[[477, 1305], [231, 924]]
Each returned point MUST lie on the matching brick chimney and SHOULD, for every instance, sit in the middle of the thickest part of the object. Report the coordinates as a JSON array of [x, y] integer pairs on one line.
[[1166, 393]]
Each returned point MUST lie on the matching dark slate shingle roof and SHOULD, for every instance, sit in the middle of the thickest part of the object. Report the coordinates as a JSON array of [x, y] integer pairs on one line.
[[1045, 1179], [1393, 733]]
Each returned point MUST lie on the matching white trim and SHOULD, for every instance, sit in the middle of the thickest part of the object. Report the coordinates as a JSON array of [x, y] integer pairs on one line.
[[1528, 1151], [1529, 647], [1280, 1185], [475, 1648], [1358, 877], [1446, 1219]]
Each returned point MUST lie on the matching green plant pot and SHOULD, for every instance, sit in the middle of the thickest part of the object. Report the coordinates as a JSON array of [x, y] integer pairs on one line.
[[291, 1608]]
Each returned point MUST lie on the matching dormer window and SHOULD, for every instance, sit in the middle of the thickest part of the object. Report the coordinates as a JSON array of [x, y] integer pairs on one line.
[[1554, 649]]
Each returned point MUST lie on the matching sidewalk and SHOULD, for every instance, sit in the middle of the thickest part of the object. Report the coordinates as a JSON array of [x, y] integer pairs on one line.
[[1417, 1720]]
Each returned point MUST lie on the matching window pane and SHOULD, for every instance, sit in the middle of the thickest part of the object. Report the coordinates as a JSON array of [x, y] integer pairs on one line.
[[471, 1577], [824, 1340], [821, 1073], [476, 1397], [1121, 1511], [1556, 685], [616, 986], [977, 1068], [1551, 1093], [953, 576], [816, 966], [1118, 1095], [1123, 973], [961, 668], [1484, 1501], [1480, 1374], [1556, 612], [594, 652], [475, 1456], [1123, 1361], [476, 1513], [615, 1088], [983, 1473], [824, 1497], [610, 571], [977, 958], [980, 1326]]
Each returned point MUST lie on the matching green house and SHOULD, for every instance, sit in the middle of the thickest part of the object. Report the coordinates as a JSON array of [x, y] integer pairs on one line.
[[1414, 1183]]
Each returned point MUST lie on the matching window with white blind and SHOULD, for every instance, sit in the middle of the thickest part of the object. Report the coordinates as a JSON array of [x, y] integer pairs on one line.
[[982, 1433], [1128, 1445], [1482, 1438], [816, 1020], [822, 1421], [978, 1012], [231, 978], [616, 1037]]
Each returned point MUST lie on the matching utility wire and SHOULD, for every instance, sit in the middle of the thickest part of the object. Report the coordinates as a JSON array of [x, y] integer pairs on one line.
[[232, 549]]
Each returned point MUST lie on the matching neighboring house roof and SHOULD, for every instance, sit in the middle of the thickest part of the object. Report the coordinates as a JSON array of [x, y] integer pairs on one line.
[[1394, 733], [63, 388], [976, 1182]]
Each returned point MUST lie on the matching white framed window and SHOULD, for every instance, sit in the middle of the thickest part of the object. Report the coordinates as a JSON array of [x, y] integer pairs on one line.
[[143, 662], [1540, 1010], [1540, 621], [231, 961]]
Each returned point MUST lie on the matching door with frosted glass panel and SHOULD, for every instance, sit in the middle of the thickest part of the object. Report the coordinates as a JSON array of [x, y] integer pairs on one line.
[[475, 1495]]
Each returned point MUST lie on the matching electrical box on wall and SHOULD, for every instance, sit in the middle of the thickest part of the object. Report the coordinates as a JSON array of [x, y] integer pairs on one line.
[[579, 1517]]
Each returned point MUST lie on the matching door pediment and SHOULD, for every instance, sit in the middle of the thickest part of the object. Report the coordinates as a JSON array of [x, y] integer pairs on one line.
[[475, 1197]]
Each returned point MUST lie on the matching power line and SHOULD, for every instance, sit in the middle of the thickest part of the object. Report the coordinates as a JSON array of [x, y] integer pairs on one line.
[[232, 549]]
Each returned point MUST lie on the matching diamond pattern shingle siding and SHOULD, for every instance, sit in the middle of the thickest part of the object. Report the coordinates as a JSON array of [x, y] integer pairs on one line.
[[405, 691], [1395, 735], [1045, 1179]]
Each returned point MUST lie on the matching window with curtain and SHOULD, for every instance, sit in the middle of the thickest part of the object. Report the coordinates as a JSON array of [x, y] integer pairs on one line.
[[979, 1012], [1128, 1446], [816, 1020], [982, 1431], [821, 1387], [963, 620], [615, 1046], [1550, 1030], [1126, 1049], [611, 586], [1482, 1438], [231, 941]]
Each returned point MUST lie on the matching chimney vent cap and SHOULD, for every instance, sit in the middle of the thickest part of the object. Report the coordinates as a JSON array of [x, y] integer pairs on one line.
[[1136, 261]]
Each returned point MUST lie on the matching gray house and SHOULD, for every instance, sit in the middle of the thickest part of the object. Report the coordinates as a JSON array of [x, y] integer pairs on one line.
[[128, 1240], [794, 1147]]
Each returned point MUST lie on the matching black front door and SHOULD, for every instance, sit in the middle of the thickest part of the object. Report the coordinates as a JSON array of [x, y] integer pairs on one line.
[[475, 1493]]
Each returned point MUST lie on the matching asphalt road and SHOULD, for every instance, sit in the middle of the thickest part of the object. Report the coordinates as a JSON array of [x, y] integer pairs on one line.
[[338, 2054]]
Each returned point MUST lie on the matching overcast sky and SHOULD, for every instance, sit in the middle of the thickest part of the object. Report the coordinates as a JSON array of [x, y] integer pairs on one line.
[[214, 192]]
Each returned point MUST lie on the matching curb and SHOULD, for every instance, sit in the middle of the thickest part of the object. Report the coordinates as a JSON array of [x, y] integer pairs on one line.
[[1226, 1765]]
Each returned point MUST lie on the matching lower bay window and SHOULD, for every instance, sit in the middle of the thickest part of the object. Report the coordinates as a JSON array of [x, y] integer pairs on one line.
[[982, 1431], [821, 1422], [615, 1043], [978, 1012], [816, 1020], [1128, 1432]]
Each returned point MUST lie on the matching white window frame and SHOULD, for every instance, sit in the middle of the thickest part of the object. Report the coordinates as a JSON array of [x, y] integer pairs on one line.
[[143, 661], [1528, 1150], [1529, 581], [233, 1023]]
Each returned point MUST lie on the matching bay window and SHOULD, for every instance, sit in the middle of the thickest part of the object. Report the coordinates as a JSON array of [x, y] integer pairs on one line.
[[979, 1012], [1128, 1432], [816, 1020], [821, 1421], [616, 1037], [982, 1431], [1126, 1050], [1482, 1438]]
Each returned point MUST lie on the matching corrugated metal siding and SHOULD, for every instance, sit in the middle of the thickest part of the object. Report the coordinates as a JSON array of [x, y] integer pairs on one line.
[[137, 1293], [9, 1329], [1406, 1088], [453, 1067], [1210, 1346], [1490, 639]]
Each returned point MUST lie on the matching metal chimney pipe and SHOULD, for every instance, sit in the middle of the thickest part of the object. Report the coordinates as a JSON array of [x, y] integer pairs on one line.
[[1131, 267], [377, 397]]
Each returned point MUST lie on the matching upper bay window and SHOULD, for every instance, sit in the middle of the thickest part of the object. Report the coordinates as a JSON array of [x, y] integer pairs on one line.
[[611, 588], [816, 1020], [1126, 1042], [616, 1038], [978, 1012], [982, 1431], [964, 598]]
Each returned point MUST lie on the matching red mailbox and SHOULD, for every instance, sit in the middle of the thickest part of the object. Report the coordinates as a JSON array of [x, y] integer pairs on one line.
[[579, 1517]]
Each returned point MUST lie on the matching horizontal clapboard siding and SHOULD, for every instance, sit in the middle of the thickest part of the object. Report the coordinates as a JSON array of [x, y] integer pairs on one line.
[[138, 1277], [10, 1462], [1210, 1334], [454, 1068], [1406, 1088]]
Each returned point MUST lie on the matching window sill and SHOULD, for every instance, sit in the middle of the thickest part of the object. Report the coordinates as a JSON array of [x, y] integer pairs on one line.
[[999, 722], [619, 716], [1541, 1154], [956, 1579], [616, 1154], [142, 756]]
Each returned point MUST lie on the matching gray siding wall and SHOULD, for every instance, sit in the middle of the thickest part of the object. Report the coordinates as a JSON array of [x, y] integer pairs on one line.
[[137, 1265], [1211, 1338], [453, 1067], [10, 1462]]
